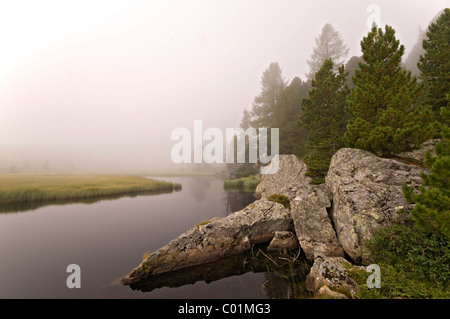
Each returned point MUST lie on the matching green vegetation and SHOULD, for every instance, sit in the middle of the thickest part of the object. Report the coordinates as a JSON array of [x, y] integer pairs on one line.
[[385, 116], [386, 111], [245, 183], [246, 170], [413, 263], [44, 188], [264, 105], [324, 119], [280, 199], [434, 64], [414, 253], [286, 114], [432, 210]]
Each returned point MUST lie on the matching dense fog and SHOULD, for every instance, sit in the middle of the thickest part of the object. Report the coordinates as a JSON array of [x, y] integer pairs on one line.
[[98, 86]]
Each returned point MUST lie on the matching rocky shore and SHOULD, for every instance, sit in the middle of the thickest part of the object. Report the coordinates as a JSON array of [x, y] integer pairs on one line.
[[329, 222]]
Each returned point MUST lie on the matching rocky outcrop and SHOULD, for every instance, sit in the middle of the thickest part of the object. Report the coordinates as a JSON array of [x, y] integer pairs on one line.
[[216, 239], [419, 154], [309, 204], [312, 224], [362, 193], [283, 240], [367, 194], [291, 174], [329, 278]]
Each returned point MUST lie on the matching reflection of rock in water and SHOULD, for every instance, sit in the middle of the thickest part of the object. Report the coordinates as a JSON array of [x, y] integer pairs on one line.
[[237, 200], [285, 277], [199, 187], [288, 282]]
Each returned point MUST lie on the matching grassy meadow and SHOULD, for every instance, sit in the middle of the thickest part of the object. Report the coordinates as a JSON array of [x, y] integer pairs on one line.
[[17, 188]]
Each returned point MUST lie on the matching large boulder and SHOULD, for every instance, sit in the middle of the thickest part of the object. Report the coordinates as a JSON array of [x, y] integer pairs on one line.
[[312, 224], [215, 239], [309, 204], [367, 194], [291, 171], [329, 278]]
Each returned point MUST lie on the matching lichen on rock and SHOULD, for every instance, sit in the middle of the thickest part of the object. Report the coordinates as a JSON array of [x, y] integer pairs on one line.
[[367, 194]]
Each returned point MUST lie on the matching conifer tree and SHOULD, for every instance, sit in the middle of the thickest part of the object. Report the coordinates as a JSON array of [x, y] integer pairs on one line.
[[324, 118], [434, 64], [432, 209], [272, 86], [261, 114], [386, 119], [285, 117], [329, 45]]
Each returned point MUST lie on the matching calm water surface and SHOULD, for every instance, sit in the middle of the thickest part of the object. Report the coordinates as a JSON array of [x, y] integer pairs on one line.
[[107, 239]]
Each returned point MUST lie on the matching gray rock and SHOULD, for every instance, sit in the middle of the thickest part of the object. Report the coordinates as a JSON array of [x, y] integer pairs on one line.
[[312, 224], [330, 272], [291, 174], [221, 237], [419, 154], [309, 205], [367, 194], [283, 240], [326, 293]]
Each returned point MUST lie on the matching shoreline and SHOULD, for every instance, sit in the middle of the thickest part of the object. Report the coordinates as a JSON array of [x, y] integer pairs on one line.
[[39, 188]]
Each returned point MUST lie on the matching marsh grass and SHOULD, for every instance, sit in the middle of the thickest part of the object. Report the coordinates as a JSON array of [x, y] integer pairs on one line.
[[44, 188], [245, 183]]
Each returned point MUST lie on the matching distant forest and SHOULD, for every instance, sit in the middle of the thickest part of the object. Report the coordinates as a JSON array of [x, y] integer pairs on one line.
[[378, 101]]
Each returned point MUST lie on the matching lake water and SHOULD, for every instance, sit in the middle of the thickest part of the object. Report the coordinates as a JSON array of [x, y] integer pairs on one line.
[[108, 238]]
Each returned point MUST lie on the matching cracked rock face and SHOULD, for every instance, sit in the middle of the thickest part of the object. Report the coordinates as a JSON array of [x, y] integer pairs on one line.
[[309, 204], [290, 175], [312, 224], [219, 238], [367, 194]]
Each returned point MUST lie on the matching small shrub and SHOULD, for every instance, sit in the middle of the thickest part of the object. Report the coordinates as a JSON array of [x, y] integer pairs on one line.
[[280, 199], [414, 263]]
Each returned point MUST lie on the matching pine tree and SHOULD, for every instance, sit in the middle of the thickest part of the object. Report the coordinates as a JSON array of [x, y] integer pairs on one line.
[[386, 119], [292, 138], [324, 118], [350, 68], [272, 86], [245, 121], [261, 114], [329, 45], [434, 64], [432, 209]]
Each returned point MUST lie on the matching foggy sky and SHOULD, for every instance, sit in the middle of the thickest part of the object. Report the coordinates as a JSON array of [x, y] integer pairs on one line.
[[104, 83]]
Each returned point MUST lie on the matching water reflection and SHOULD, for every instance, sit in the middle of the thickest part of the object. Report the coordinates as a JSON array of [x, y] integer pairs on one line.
[[108, 237], [284, 273], [199, 188], [235, 200], [29, 206]]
